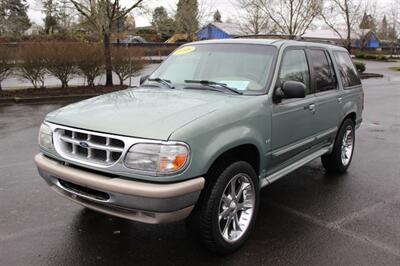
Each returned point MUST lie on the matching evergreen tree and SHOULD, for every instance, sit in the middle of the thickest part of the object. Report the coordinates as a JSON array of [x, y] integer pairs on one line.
[[51, 20], [2, 17], [187, 17], [13, 17], [367, 22], [217, 16], [163, 24], [384, 29]]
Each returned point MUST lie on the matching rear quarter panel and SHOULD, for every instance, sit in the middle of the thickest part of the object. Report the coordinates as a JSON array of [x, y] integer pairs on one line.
[[352, 97]]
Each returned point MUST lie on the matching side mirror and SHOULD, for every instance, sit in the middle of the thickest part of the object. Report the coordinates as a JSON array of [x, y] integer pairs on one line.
[[289, 90], [143, 79]]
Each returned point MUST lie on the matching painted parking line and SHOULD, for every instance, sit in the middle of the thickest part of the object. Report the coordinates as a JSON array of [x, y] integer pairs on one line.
[[337, 228]]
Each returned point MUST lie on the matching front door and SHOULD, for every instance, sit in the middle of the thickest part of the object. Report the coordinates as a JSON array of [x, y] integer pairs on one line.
[[292, 119]]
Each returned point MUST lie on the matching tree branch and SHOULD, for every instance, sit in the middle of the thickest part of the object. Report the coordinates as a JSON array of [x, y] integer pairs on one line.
[[126, 11]]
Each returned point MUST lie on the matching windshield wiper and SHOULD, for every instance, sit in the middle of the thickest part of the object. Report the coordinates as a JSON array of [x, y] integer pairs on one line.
[[212, 84], [165, 82]]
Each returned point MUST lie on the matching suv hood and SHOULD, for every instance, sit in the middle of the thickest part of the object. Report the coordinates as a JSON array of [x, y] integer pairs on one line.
[[152, 113]]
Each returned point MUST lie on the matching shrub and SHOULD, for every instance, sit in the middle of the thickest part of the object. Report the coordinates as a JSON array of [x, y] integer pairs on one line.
[[127, 62], [60, 61], [89, 61], [360, 67], [382, 58], [6, 63], [32, 63], [362, 55]]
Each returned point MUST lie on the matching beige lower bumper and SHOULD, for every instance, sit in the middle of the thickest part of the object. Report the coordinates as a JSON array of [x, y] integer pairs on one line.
[[134, 200]]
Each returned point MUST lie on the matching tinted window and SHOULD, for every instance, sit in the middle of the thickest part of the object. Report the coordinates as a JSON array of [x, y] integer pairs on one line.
[[324, 77], [348, 72], [294, 67]]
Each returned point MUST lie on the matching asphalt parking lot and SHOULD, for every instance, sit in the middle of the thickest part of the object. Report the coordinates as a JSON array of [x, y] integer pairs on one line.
[[306, 218]]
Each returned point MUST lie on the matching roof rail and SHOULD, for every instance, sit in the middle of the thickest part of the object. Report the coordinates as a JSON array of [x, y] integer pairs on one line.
[[268, 36], [317, 40], [288, 37]]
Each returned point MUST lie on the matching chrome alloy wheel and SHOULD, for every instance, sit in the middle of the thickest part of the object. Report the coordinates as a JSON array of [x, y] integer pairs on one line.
[[347, 145], [236, 207]]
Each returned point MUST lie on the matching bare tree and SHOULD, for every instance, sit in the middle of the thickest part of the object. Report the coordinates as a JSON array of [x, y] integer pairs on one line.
[[102, 16], [6, 64], [394, 21], [89, 61], [291, 17], [32, 63], [342, 14], [60, 61], [253, 20], [127, 62]]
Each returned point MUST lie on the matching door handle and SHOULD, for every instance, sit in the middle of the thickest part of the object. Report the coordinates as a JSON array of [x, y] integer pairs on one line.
[[339, 99], [310, 107]]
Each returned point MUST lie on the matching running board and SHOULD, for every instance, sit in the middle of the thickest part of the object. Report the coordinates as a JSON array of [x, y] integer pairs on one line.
[[290, 168]]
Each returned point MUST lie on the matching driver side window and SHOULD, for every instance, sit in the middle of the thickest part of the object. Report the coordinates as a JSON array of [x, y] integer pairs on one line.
[[294, 67]]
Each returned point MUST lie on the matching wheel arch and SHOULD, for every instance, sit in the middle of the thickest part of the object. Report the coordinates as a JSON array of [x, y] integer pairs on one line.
[[244, 152], [352, 115]]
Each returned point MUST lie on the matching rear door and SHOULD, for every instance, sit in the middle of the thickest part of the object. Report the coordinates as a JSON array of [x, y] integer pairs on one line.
[[328, 98], [292, 119], [353, 96]]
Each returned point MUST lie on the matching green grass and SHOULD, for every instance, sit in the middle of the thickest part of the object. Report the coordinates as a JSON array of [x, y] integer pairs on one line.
[[394, 68]]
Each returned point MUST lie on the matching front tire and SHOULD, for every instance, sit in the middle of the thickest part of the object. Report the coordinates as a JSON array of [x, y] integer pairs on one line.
[[340, 158], [227, 212]]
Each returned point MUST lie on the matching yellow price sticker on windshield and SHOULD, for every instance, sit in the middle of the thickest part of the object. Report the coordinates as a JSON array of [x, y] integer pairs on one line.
[[185, 50]]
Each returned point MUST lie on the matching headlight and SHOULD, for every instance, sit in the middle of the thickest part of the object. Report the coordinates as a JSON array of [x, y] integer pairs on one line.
[[45, 137], [158, 159]]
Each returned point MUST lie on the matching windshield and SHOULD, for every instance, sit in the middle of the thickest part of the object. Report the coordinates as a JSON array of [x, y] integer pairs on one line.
[[243, 67]]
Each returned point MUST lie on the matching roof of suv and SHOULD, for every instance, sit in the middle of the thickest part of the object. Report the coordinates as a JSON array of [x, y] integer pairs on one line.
[[275, 42]]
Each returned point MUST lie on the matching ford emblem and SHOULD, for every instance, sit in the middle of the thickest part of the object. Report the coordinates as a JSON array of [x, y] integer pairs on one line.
[[84, 144]]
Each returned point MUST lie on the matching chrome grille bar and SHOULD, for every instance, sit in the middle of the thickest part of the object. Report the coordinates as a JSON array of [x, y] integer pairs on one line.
[[92, 145], [89, 147]]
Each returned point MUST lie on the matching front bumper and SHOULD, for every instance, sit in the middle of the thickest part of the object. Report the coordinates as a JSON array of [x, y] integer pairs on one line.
[[133, 200]]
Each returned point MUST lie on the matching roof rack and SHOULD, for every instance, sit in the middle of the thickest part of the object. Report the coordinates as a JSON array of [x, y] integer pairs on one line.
[[317, 40], [287, 37], [268, 36]]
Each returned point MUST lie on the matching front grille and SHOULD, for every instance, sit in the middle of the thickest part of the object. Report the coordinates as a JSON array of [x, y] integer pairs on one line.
[[89, 146]]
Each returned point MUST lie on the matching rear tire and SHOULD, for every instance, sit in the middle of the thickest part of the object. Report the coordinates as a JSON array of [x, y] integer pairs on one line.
[[339, 160], [226, 212]]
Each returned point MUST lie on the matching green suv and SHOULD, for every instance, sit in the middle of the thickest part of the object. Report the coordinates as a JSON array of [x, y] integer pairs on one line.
[[212, 125]]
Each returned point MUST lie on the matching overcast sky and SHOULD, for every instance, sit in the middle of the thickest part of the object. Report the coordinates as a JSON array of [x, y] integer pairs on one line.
[[226, 8]]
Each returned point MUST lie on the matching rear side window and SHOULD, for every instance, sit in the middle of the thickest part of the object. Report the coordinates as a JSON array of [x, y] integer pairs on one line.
[[294, 67], [324, 74], [348, 72]]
